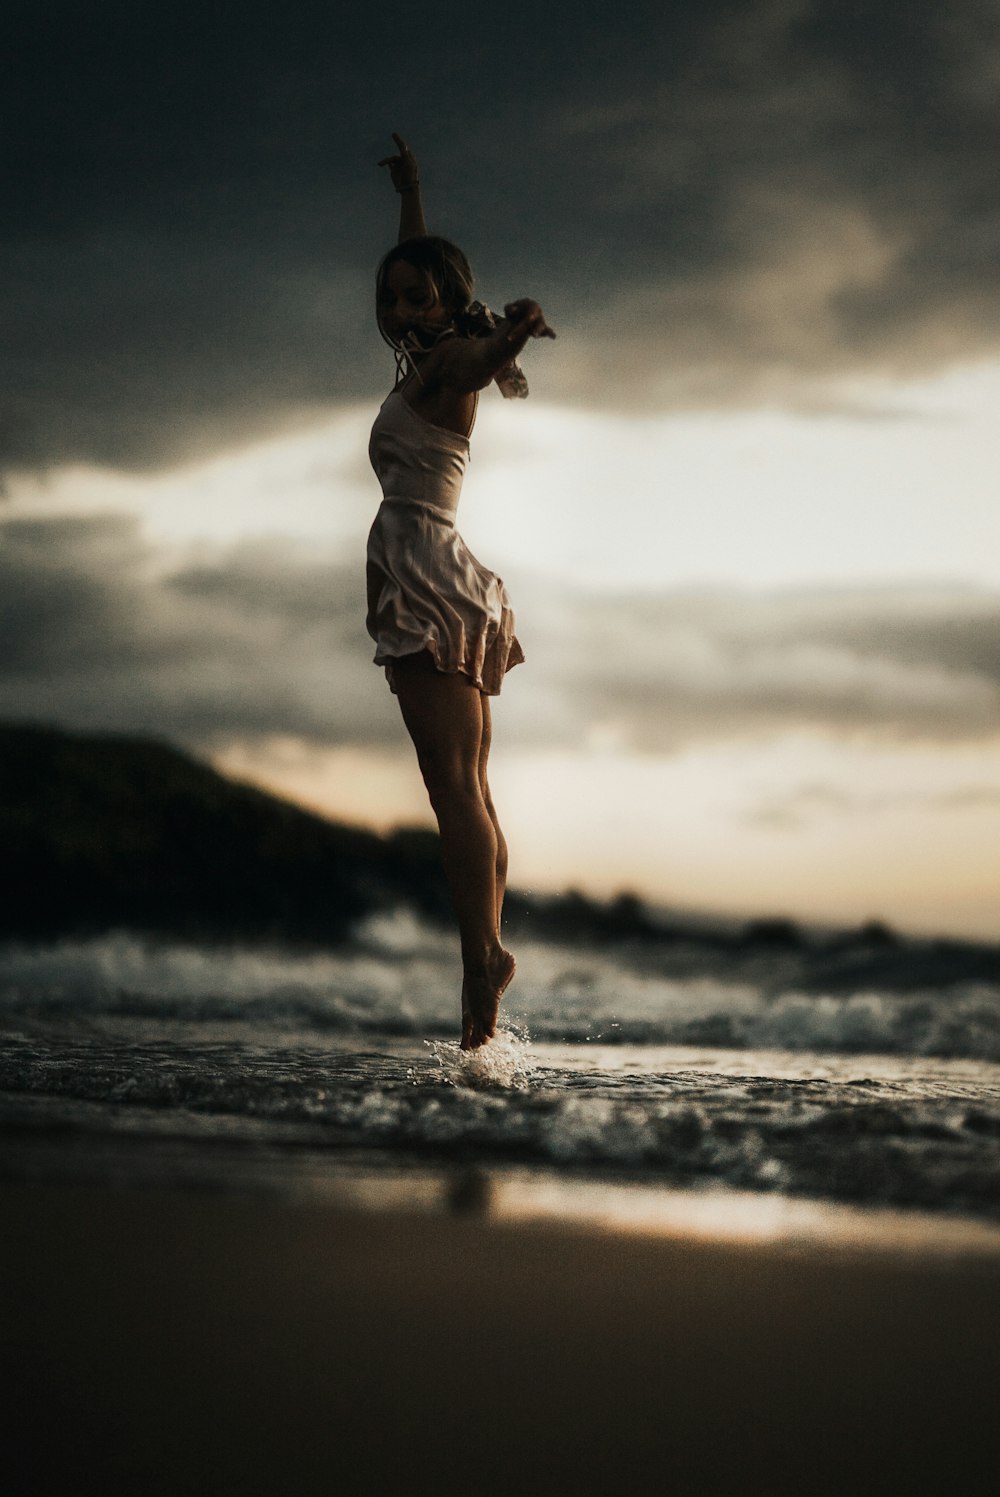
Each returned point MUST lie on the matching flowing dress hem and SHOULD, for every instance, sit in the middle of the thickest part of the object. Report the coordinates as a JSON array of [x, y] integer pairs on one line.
[[488, 677]]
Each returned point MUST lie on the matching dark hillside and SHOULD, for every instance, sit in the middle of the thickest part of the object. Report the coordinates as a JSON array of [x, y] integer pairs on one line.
[[102, 832]]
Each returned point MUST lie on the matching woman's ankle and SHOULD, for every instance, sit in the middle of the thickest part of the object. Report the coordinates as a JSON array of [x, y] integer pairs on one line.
[[482, 957]]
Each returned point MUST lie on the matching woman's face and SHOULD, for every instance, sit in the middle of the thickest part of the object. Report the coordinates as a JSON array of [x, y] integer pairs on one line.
[[410, 300]]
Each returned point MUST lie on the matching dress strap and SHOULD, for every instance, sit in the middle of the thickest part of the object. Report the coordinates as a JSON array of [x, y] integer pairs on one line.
[[475, 413]]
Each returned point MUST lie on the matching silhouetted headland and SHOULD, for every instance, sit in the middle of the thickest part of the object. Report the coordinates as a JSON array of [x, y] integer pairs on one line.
[[108, 833], [101, 833]]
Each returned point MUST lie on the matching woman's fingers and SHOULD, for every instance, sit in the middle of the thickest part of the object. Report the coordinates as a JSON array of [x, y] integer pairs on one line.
[[527, 315], [402, 168], [401, 147]]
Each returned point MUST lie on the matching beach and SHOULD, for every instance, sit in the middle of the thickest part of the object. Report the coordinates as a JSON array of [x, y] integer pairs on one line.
[[265, 1229], [175, 1342]]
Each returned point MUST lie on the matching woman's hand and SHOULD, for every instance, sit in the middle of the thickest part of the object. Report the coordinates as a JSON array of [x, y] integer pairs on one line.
[[468, 364], [402, 168], [526, 321]]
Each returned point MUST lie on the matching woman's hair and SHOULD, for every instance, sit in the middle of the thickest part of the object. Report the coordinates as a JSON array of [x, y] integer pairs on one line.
[[441, 262]]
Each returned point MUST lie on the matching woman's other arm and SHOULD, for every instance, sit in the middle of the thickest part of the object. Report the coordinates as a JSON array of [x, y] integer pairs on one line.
[[470, 363], [406, 179]]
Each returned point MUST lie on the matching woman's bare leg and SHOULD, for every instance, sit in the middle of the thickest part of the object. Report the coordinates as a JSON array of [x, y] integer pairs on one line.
[[444, 717], [484, 785]]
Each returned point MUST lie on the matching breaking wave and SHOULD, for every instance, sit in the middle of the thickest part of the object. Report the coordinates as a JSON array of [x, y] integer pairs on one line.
[[400, 979]]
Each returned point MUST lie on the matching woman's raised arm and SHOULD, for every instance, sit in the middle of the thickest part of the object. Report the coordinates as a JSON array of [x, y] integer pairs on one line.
[[406, 179]]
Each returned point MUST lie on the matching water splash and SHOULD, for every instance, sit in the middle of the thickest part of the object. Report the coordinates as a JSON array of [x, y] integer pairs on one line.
[[505, 1062]]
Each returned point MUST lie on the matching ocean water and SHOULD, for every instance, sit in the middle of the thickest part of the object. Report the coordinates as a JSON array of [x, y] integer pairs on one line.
[[127, 1060]]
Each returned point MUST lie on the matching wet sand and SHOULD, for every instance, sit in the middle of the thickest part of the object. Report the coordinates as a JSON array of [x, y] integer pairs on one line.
[[173, 1343]]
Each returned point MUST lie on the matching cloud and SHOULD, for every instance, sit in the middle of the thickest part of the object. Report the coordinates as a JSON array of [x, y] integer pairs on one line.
[[900, 663], [813, 198], [815, 801], [131, 349], [102, 629], [718, 205]]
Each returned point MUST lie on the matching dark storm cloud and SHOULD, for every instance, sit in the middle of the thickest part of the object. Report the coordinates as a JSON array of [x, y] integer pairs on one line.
[[100, 629], [717, 203], [816, 197]]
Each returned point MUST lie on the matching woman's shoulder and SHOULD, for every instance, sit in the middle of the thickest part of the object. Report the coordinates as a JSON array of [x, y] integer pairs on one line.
[[431, 369]]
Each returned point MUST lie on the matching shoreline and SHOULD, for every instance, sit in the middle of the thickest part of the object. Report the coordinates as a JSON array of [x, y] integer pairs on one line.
[[299, 1172], [184, 1341]]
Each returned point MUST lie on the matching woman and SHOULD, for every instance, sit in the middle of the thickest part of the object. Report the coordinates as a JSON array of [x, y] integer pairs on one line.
[[443, 623]]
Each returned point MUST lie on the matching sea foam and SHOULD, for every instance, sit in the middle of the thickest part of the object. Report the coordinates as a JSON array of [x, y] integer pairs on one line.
[[504, 1062]]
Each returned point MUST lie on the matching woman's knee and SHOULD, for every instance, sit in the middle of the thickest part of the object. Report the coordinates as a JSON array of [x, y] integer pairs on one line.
[[448, 781]]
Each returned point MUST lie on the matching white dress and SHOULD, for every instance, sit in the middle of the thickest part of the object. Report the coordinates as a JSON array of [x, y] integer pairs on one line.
[[426, 590]]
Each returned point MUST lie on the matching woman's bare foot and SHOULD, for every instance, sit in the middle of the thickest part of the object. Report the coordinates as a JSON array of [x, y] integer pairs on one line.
[[481, 994]]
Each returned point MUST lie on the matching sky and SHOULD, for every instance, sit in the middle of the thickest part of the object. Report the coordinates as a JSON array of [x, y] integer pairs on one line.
[[748, 516]]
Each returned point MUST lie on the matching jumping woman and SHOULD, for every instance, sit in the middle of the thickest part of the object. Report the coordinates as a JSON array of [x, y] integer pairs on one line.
[[442, 623]]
